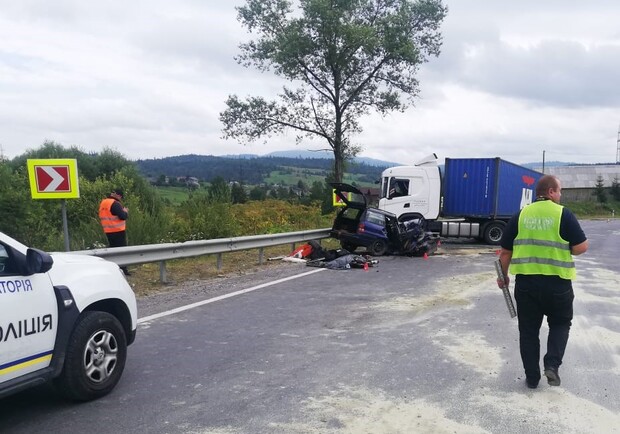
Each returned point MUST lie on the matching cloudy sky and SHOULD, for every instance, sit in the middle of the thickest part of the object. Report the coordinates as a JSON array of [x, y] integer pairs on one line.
[[149, 79]]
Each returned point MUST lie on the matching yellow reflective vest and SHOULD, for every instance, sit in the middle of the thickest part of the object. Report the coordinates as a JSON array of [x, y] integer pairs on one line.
[[538, 247], [109, 221]]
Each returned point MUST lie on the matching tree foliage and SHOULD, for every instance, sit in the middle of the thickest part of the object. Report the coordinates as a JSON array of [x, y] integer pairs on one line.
[[347, 57], [238, 194], [219, 191], [599, 190], [90, 165], [615, 189]]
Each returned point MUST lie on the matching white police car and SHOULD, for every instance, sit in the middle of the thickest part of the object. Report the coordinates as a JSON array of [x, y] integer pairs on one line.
[[63, 318]]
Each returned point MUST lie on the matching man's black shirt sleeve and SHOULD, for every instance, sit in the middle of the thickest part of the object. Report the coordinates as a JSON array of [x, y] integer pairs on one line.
[[510, 232], [570, 229], [117, 210]]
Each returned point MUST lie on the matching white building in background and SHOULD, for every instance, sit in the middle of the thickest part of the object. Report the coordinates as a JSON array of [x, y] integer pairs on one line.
[[579, 182]]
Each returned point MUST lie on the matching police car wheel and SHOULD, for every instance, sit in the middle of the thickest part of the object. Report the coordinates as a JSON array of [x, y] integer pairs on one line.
[[95, 357]]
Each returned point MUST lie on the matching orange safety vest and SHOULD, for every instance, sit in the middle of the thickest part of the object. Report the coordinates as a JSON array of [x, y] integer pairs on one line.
[[109, 221]]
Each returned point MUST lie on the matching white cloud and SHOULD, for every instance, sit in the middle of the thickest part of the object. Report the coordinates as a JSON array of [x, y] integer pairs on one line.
[[150, 79]]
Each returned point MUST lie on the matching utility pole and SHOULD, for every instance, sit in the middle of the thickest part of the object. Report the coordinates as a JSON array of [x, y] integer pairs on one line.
[[543, 169], [618, 148]]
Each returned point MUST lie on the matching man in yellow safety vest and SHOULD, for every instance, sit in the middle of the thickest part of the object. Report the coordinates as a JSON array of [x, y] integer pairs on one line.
[[538, 247]]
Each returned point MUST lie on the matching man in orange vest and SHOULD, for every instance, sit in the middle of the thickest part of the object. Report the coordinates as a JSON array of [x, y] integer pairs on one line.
[[113, 215]]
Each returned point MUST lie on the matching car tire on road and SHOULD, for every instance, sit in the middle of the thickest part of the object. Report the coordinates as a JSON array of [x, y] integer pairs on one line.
[[95, 357], [378, 248]]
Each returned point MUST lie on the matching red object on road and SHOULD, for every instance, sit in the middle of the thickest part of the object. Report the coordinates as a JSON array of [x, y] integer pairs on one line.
[[302, 251]]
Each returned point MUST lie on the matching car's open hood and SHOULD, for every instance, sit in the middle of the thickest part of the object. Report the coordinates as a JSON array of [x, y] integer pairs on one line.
[[350, 195]]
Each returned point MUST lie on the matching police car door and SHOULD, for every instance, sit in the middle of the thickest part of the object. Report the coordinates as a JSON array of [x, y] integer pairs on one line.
[[28, 320]]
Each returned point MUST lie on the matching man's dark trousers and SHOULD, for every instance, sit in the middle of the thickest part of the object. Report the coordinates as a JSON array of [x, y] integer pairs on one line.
[[118, 239], [538, 295]]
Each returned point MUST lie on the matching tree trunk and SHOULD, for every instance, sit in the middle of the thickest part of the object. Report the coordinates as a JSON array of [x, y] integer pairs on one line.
[[338, 164], [338, 148]]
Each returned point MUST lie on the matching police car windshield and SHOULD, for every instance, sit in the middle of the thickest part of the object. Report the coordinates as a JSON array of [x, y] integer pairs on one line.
[[13, 242]]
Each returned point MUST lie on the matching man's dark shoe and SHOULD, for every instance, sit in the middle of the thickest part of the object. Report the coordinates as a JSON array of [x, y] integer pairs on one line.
[[553, 378], [532, 383]]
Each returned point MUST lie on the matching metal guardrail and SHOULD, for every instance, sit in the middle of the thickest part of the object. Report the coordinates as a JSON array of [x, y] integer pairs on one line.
[[132, 255]]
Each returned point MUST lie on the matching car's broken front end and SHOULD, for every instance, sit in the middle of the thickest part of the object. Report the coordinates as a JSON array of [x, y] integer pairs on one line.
[[379, 232]]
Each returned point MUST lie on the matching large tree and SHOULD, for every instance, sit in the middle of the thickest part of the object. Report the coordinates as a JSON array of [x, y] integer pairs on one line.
[[345, 58]]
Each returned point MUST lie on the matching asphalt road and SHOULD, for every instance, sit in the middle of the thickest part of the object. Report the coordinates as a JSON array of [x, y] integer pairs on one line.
[[411, 346]]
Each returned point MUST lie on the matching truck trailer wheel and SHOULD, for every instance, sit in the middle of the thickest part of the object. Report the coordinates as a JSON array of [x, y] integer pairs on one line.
[[378, 248], [493, 232], [95, 357]]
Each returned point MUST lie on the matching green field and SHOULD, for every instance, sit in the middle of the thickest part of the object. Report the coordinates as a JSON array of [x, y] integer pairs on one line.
[[175, 195], [592, 209], [290, 176]]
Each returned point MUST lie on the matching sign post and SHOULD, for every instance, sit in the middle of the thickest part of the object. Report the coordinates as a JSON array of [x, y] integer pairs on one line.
[[55, 179]]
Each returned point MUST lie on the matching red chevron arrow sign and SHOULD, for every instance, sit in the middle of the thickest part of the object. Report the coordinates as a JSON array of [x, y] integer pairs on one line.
[[53, 179]]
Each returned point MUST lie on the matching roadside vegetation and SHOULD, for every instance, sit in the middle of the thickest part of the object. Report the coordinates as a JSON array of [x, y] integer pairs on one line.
[[157, 215], [594, 209]]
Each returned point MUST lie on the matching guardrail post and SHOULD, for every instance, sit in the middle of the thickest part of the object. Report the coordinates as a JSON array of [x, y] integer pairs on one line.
[[261, 255], [219, 262], [163, 278], [292, 247]]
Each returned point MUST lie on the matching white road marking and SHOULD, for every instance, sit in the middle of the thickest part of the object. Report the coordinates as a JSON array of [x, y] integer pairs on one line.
[[223, 297]]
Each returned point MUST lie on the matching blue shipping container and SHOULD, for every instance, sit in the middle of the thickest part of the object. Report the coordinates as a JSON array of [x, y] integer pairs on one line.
[[486, 187]]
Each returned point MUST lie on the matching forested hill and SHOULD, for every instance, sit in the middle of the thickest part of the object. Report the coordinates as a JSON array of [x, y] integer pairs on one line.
[[246, 170]]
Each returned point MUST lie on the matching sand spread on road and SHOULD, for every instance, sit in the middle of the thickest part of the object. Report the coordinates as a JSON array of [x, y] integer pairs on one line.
[[545, 410]]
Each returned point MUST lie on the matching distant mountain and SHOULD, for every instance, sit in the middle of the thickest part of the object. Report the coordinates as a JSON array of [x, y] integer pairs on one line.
[[249, 169], [327, 154], [538, 165], [239, 156]]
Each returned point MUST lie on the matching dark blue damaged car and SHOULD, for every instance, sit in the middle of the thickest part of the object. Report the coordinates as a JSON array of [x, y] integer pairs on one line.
[[379, 232]]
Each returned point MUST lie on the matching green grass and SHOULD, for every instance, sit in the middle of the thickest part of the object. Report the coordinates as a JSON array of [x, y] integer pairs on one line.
[[176, 195], [293, 175], [593, 209]]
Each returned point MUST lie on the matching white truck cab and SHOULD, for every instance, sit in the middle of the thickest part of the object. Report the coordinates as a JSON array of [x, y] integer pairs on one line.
[[64, 318], [412, 189]]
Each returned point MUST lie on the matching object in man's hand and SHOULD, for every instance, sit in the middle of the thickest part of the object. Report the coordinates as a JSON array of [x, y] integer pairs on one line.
[[505, 289]]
